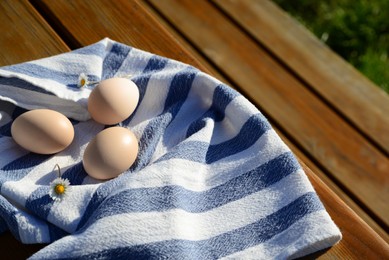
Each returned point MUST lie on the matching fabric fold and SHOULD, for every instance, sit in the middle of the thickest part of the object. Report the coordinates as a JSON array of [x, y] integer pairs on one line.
[[212, 178]]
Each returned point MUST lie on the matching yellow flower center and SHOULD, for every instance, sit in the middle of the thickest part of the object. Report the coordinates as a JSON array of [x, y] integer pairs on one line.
[[82, 82], [59, 189]]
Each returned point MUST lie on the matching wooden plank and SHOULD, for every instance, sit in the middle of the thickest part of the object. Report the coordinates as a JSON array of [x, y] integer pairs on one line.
[[161, 39], [25, 35], [311, 165], [201, 59], [334, 144], [313, 168], [81, 23], [359, 241], [344, 87]]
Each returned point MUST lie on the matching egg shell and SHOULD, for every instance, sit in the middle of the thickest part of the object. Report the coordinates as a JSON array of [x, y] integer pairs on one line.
[[110, 153], [42, 131], [113, 100]]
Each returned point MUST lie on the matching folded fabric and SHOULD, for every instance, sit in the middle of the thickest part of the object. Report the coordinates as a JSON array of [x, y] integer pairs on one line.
[[212, 178]]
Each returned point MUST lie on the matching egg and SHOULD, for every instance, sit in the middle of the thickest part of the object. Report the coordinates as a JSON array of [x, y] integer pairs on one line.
[[113, 100], [42, 131], [110, 153]]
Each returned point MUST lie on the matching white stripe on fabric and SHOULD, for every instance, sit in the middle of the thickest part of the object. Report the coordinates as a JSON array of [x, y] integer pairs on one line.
[[153, 102], [69, 108], [198, 176], [135, 56], [67, 214], [80, 63], [57, 88]]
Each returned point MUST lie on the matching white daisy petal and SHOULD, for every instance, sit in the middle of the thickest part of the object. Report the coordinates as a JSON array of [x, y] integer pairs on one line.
[[59, 188]]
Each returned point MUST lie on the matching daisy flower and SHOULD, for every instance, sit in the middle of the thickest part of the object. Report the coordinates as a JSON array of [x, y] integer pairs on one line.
[[83, 81], [59, 188]]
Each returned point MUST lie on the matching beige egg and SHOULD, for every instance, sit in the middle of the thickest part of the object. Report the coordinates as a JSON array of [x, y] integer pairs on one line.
[[113, 100], [42, 131], [110, 153]]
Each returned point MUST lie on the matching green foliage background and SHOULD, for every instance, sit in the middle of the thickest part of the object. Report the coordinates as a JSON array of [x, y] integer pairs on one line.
[[358, 30]]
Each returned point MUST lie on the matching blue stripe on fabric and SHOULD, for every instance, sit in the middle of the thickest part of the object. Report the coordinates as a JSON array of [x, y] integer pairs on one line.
[[224, 244], [7, 214], [3, 225], [20, 167], [97, 49], [179, 90], [170, 197], [149, 140], [222, 96], [250, 132], [55, 232], [40, 72], [40, 202], [154, 65], [18, 111], [114, 60], [15, 82], [75, 174], [5, 130]]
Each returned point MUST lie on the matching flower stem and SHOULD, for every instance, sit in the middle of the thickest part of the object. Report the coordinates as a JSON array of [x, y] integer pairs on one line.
[[59, 170]]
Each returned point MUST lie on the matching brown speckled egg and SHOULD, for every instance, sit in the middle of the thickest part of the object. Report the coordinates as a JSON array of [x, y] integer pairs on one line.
[[110, 153], [113, 100], [42, 131]]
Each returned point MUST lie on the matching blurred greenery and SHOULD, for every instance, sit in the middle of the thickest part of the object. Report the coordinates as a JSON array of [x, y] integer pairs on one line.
[[358, 30]]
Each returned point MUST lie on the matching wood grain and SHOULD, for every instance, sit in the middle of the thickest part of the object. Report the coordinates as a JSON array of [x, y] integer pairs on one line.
[[81, 23], [143, 31], [314, 169], [203, 63], [25, 35], [338, 82], [335, 145], [359, 241]]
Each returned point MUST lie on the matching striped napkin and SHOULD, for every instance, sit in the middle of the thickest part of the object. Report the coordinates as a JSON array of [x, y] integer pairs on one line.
[[212, 179]]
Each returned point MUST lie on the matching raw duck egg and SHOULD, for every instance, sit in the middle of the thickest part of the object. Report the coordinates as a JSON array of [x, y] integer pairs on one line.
[[113, 100], [42, 131], [110, 153]]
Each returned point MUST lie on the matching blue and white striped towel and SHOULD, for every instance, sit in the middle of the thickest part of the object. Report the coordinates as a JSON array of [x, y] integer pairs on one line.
[[212, 178]]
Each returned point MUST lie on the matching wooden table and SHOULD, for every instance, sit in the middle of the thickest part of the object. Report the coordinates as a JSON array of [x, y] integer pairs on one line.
[[334, 119]]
